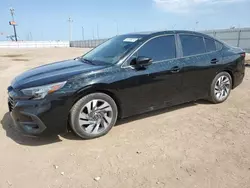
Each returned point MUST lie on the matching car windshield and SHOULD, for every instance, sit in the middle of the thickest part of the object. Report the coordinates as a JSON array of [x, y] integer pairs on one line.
[[113, 50]]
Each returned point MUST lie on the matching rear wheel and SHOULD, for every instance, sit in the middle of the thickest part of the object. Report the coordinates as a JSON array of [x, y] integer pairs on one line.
[[93, 115], [220, 87]]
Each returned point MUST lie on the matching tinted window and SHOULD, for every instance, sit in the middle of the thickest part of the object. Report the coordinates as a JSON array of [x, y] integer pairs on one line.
[[114, 49], [192, 45], [218, 45], [160, 48], [210, 44]]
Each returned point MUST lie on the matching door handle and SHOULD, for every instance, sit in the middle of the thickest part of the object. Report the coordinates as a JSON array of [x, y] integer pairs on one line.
[[175, 69], [214, 61]]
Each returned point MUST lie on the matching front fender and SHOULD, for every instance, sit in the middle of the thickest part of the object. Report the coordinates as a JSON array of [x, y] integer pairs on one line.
[[101, 88]]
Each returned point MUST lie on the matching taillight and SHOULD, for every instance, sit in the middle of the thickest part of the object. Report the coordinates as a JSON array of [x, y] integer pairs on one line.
[[243, 54]]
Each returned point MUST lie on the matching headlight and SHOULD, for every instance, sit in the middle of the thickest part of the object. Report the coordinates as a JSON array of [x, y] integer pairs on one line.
[[41, 91]]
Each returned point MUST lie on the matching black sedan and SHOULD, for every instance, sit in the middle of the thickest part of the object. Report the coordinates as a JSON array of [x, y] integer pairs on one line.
[[127, 75]]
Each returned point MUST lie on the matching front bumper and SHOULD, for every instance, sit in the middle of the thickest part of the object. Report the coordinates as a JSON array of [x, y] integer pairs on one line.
[[25, 121], [40, 117]]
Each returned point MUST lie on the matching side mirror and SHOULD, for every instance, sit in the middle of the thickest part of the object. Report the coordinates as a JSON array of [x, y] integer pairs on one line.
[[141, 62]]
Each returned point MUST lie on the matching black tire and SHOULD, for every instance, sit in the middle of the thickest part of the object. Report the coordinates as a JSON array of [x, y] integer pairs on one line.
[[75, 111], [212, 96]]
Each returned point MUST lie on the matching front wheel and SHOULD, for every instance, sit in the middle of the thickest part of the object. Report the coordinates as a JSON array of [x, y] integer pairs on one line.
[[93, 115], [220, 87]]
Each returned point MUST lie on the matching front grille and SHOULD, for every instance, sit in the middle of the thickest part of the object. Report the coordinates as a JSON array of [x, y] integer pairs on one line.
[[11, 103]]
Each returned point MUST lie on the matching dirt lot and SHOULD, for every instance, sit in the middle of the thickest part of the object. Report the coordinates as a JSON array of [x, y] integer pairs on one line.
[[192, 145]]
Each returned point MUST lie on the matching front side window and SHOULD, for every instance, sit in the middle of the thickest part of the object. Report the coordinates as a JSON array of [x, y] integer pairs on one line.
[[192, 45], [210, 44], [160, 48]]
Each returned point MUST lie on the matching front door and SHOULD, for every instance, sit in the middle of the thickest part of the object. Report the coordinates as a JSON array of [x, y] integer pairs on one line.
[[159, 84]]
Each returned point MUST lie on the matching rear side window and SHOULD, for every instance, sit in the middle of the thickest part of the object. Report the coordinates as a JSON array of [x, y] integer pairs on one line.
[[210, 44], [160, 48], [192, 45], [219, 46]]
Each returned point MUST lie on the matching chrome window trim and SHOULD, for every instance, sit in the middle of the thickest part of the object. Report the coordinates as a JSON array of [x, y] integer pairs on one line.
[[203, 41], [176, 58]]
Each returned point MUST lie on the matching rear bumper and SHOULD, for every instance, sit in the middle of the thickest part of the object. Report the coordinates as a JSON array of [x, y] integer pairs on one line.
[[238, 80], [238, 77]]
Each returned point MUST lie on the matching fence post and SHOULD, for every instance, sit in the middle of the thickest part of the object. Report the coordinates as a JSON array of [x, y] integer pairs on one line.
[[238, 43]]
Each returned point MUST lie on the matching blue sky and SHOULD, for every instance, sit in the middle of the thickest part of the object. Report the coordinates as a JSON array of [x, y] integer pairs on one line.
[[47, 19]]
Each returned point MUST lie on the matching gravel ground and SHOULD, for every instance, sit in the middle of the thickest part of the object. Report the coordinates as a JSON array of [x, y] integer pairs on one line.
[[191, 145]]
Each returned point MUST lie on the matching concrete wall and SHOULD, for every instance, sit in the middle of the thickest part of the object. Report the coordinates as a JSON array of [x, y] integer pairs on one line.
[[86, 43], [235, 37], [33, 44]]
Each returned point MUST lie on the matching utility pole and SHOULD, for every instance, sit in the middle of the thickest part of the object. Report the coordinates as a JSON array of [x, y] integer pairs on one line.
[[70, 29], [117, 29], [196, 25], [31, 37], [12, 12], [97, 31], [93, 33], [82, 33]]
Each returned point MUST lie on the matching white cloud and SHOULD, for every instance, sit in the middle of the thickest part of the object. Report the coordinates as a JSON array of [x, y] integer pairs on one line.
[[187, 5]]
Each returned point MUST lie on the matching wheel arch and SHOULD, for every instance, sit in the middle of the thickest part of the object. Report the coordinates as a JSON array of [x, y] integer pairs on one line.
[[95, 89], [230, 72]]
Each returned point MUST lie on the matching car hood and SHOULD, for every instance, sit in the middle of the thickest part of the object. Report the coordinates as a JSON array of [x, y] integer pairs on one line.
[[52, 73]]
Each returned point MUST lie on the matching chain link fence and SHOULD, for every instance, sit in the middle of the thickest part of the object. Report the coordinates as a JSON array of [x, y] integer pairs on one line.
[[239, 37]]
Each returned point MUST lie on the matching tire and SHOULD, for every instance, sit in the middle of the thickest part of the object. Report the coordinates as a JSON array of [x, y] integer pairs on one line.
[[216, 88], [86, 110]]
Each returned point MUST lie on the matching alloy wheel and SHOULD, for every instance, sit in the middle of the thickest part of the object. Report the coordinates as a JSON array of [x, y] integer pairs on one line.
[[95, 116], [222, 88]]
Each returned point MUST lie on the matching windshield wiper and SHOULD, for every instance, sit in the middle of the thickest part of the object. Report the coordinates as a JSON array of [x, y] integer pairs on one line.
[[77, 58], [87, 60]]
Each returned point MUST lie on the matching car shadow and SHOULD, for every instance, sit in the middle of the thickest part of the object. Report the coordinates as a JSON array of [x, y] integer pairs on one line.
[[22, 139], [72, 136], [160, 111]]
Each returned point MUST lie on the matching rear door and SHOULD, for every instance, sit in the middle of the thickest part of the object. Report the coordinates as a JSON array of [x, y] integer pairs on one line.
[[214, 52], [200, 61]]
